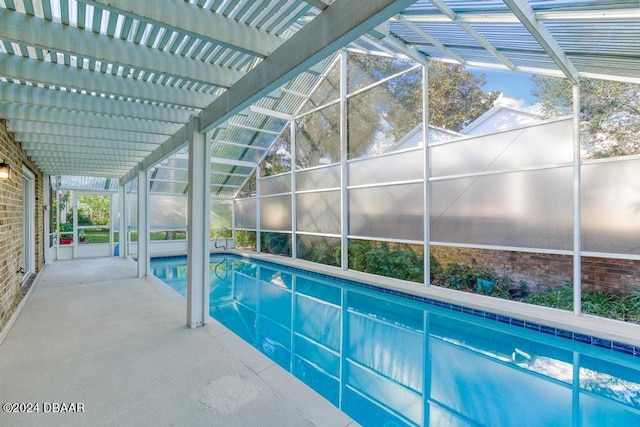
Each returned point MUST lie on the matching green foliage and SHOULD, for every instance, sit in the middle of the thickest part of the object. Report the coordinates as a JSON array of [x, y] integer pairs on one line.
[[318, 249], [624, 307], [93, 209], [456, 96], [556, 297], [245, 239], [275, 243], [465, 278], [609, 112], [399, 261]]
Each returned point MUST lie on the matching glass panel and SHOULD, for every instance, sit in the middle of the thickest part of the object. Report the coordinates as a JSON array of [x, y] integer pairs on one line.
[[319, 212], [245, 211], [318, 138], [278, 159], [610, 225], [275, 243], [275, 213], [392, 212], [381, 116], [365, 70], [610, 204], [220, 214], [457, 96], [389, 168], [132, 200], [275, 184], [318, 178], [249, 189], [536, 145], [167, 211], [531, 209], [609, 114], [328, 90], [245, 240], [94, 209], [320, 249]]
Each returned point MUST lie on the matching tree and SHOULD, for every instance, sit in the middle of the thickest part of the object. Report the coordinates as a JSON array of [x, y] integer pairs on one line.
[[382, 115], [456, 97], [609, 113], [93, 209]]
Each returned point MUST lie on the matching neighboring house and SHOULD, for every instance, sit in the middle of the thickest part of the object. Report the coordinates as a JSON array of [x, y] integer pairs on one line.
[[413, 139], [499, 117]]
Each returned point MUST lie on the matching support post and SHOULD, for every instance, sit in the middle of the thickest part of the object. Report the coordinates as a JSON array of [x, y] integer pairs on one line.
[[198, 227], [122, 221], [144, 259], [577, 236], [294, 199], [258, 239], [426, 166], [344, 167], [46, 207]]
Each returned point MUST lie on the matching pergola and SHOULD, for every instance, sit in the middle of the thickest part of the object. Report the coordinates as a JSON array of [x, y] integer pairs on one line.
[[192, 94]]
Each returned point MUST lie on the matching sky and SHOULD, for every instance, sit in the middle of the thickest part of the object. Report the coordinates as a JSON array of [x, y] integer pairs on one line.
[[516, 86]]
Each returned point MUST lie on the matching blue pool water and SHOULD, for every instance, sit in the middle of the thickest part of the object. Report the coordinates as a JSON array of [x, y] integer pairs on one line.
[[391, 361]]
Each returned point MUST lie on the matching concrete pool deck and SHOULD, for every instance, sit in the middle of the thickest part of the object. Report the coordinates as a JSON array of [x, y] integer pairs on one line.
[[117, 346]]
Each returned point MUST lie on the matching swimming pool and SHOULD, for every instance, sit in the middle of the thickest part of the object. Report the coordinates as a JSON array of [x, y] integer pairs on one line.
[[392, 361]]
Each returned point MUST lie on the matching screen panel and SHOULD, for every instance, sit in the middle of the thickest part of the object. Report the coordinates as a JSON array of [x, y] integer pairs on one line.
[[392, 212], [275, 213], [318, 178], [245, 212], [402, 166], [610, 203], [540, 145], [532, 209], [319, 212]]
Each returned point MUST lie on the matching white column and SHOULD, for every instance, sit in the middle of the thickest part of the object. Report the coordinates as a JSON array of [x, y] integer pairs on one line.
[[426, 173], [344, 169], [46, 208], [74, 204], [258, 243], [122, 221], [294, 199], [577, 236], [144, 266], [198, 211]]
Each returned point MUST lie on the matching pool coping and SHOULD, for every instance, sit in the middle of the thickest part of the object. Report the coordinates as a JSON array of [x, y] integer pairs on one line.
[[614, 335]]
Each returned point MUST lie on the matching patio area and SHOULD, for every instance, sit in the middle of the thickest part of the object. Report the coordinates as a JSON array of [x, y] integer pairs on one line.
[[92, 334]]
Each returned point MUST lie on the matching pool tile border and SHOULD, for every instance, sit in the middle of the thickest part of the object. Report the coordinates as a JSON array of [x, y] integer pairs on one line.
[[549, 330]]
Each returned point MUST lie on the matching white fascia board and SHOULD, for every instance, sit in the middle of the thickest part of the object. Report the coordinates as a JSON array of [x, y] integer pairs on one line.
[[73, 117], [48, 149], [197, 22], [23, 126], [33, 70], [32, 139], [82, 162], [38, 96]]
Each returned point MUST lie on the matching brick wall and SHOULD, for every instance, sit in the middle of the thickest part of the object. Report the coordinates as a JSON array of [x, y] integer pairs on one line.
[[543, 270], [11, 229]]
